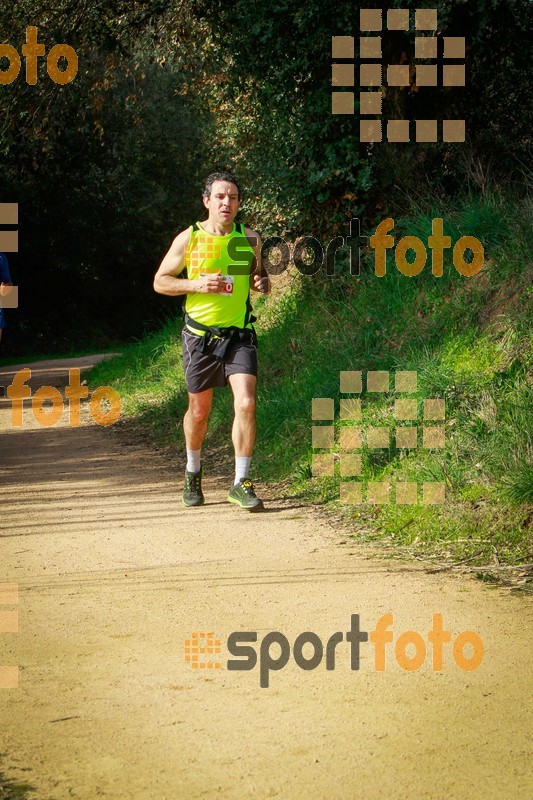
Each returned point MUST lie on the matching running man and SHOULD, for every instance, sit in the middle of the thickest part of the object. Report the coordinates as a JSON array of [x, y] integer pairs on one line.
[[222, 260]]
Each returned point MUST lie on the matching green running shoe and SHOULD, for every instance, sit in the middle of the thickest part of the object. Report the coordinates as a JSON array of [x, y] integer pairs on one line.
[[192, 491], [243, 495]]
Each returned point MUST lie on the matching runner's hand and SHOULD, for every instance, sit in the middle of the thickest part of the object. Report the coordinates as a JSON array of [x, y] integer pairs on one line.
[[210, 284], [262, 284]]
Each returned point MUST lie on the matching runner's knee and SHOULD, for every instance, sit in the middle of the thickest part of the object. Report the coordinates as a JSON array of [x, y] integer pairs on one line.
[[245, 404], [199, 411]]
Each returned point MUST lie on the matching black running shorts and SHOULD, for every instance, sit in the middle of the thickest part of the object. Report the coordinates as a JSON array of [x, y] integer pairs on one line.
[[204, 371]]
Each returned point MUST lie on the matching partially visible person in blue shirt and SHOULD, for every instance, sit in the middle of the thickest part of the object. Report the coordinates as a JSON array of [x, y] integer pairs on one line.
[[5, 280]]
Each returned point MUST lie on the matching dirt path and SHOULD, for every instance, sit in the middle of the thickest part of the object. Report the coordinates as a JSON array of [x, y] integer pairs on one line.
[[114, 574]]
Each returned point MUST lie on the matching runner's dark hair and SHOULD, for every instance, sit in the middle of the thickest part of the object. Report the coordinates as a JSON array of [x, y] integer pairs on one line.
[[229, 177]]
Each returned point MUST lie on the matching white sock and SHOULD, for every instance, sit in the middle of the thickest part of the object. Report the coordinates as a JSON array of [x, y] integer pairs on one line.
[[193, 460], [242, 467]]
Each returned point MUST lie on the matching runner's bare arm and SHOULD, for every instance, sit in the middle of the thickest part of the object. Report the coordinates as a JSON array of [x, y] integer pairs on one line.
[[166, 280], [259, 280]]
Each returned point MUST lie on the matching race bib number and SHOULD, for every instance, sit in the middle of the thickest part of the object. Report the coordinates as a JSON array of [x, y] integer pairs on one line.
[[228, 285]]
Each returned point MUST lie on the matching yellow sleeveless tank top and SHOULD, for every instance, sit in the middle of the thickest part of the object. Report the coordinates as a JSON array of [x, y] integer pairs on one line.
[[230, 255]]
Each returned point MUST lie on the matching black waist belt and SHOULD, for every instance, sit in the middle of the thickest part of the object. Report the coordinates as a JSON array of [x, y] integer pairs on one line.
[[218, 341]]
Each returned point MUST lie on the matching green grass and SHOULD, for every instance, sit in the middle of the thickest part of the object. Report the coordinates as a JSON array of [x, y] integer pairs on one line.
[[469, 341], [13, 790]]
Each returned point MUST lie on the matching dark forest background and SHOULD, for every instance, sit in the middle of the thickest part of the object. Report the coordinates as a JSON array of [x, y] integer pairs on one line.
[[107, 169]]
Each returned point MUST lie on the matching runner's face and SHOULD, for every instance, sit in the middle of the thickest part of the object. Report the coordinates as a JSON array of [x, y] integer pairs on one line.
[[223, 203]]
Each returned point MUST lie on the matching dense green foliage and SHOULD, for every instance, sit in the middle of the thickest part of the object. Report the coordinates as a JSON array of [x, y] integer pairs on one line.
[[105, 171], [307, 165], [109, 167]]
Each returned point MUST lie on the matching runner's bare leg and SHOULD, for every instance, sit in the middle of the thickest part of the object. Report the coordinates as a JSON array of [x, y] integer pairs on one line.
[[244, 425], [196, 418]]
